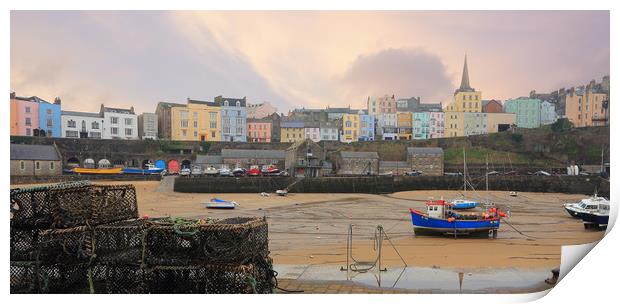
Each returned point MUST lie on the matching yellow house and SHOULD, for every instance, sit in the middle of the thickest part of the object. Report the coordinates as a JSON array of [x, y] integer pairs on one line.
[[404, 123], [198, 120], [454, 124], [466, 99], [350, 127], [292, 131]]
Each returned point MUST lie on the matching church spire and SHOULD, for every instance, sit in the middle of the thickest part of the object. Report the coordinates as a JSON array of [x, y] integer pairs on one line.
[[465, 78]]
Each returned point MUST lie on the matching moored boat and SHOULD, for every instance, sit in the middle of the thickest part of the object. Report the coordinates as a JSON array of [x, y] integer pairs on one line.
[[210, 171], [441, 218], [238, 172], [463, 204], [586, 205], [254, 171], [598, 217], [149, 170], [98, 170], [216, 203]]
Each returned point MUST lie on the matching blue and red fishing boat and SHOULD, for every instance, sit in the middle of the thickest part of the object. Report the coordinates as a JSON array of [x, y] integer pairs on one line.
[[440, 217], [149, 170]]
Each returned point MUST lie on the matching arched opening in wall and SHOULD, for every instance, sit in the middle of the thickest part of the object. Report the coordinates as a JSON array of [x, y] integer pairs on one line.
[[89, 163], [134, 163], [118, 163], [160, 163], [173, 166], [73, 162], [104, 163], [186, 163], [145, 163]]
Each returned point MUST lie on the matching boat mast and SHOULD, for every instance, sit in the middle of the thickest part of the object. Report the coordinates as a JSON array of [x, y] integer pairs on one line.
[[487, 177], [602, 160], [464, 174]]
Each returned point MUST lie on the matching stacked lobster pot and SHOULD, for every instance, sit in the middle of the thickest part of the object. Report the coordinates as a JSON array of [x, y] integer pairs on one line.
[[78, 237], [51, 232]]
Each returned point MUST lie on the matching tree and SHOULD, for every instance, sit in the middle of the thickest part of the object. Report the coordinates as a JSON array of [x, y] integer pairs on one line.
[[561, 125]]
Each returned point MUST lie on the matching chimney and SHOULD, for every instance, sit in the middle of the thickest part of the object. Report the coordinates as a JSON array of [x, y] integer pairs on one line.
[[57, 100], [131, 110], [12, 95]]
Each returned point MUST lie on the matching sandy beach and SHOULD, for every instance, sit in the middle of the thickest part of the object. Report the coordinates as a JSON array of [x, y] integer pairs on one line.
[[311, 228]]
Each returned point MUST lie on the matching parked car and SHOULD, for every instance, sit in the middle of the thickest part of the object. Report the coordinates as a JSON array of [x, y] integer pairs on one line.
[[541, 173], [185, 172], [211, 171]]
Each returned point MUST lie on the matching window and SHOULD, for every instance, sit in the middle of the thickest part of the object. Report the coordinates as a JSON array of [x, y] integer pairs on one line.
[[22, 165], [128, 121], [114, 130], [37, 165], [51, 165], [469, 97], [28, 121], [184, 123], [195, 133], [114, 120], [238, 113], [212, 134], [348, 124], [94, 125], [28, 132], [195, 124], [184, 133], [27, 109], [72, 134], [238, 105], [71, 123], [94, 134], [49, 123], [48, 111], [464, 103], [213, 124], [128, 132], [225, 103]]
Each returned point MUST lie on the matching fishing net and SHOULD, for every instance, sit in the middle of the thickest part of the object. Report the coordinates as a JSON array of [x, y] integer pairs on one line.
[[34, 277], [119, 279], [213, 278], [32, 207], [235, 240], [72, 204], [120, 243], [52, 245], [94, 205]]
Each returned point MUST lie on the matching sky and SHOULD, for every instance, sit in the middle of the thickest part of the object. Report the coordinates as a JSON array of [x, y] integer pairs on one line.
[[293, 59]]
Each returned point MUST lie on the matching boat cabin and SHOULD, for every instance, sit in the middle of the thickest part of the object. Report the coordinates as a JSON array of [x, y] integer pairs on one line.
[[438, 209]]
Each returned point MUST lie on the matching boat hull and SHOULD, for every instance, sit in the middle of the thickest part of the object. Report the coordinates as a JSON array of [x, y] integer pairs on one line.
[[98, 171], [424, 222], [594, 218], [468, 205], [142, 171], [572, 213]]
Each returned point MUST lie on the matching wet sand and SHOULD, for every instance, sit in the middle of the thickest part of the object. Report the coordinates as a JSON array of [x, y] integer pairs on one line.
[[311, 228]]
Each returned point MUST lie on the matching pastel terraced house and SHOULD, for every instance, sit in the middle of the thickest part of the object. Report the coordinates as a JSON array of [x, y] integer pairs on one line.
[[527, 111], [234, 115]]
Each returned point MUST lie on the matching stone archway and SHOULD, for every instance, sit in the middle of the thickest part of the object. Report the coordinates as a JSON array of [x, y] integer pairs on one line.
[[118, 163], [73, 162], [89, 163], [104, 163]]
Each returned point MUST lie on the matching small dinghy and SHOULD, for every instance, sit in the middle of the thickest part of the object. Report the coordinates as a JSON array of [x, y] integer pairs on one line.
[[463, 204], [217, 203]]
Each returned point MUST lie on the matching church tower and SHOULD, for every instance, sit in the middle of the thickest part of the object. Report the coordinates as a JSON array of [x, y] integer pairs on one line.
[[466, 98]]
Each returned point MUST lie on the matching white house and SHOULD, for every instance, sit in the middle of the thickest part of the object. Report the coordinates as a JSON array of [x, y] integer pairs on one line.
[[547, 113], [147, 126], [119, 123], [81, 124], [328, 131]]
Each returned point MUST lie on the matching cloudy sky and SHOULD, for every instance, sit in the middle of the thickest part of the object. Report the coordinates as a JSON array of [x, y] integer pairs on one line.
[[295, 59]]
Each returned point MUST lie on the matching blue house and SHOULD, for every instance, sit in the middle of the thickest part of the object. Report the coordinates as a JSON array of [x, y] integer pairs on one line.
[[49, 118], [367, 126], [234, 116]]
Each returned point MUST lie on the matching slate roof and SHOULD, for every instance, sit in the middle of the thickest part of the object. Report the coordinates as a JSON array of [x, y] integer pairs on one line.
[[292, 124], [208, 103], [84, 114], [33, 152], [117, 110], [246, 153], [421, 150], [347, 154]]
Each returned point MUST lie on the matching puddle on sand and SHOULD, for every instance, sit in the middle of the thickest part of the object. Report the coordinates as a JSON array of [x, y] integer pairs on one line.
[[421, 278]]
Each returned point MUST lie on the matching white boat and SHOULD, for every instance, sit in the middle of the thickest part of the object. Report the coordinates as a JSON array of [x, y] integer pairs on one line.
[[283, 192], [586, 205], [216, 203], [196, 170], [211, 171], [598, 217], [224, 171]]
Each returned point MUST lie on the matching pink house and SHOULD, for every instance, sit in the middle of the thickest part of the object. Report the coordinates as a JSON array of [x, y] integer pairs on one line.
[[435, 125], [24, 116], [259, 130]]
